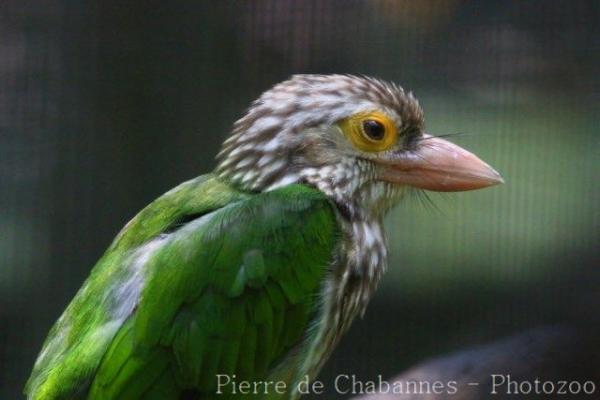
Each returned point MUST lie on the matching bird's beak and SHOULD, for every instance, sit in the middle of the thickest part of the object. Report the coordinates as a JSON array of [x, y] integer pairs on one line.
[[441, 166]]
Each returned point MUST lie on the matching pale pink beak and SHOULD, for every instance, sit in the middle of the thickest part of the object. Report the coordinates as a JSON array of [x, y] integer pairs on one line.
[[440, 166]]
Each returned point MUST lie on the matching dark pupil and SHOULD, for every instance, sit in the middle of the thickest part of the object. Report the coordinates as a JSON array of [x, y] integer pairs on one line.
[[374, 129]]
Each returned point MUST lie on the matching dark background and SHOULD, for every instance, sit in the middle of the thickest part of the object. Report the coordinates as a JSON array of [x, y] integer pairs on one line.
[[106, 105]]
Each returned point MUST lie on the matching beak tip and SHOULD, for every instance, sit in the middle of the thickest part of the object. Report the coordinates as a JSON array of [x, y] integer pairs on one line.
[[496, 178]]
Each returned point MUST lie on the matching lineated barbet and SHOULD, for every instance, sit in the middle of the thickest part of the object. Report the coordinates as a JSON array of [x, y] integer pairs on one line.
[[254, 271]]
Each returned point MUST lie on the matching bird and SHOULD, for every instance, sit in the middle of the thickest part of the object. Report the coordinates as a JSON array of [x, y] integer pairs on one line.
[[253, 272]]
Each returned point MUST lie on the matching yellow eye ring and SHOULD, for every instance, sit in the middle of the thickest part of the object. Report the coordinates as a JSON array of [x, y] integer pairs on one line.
[[371, 131]]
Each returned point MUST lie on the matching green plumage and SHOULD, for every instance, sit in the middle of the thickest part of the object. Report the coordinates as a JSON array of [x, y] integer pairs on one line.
[[205, 280]]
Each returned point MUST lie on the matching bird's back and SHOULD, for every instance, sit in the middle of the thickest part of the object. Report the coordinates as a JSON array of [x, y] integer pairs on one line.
[[205, 280]]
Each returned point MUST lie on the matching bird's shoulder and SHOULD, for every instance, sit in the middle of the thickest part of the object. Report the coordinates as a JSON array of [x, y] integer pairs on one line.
[[179, 205]]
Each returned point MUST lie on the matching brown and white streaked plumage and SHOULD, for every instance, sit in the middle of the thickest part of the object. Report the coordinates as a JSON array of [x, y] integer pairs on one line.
[[286, 135], [312, 129]]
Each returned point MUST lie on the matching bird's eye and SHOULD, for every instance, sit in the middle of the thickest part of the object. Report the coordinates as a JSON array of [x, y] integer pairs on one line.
[[373, 129], [370, 131]]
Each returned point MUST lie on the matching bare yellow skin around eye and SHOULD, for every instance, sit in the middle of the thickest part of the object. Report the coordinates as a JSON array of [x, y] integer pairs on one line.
[[353, 129]]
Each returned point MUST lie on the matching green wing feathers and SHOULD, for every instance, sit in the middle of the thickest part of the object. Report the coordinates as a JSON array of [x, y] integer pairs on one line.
[[228, 285]]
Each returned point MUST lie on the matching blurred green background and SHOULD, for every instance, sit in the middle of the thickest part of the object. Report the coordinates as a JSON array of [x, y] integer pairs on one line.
[[106, 105]]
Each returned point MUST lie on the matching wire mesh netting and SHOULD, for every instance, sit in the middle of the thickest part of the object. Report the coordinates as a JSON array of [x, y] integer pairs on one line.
[[106, 105]]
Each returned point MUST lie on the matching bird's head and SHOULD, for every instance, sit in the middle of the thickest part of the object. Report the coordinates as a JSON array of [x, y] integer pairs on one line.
[[359, 140]]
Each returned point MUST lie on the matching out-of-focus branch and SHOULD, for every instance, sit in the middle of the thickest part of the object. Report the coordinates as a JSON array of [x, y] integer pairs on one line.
[[552, 354]]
